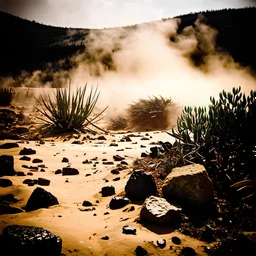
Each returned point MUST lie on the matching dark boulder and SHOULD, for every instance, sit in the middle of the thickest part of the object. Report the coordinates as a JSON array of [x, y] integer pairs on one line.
[[6, 165], [69, 171], [30, 241], [5, 208], [140, 185], [108, 191], [140, 251], [43, 182], [27, 151], [86, 203], [40, 198], [9, 145], [118, 202], [128, 230]]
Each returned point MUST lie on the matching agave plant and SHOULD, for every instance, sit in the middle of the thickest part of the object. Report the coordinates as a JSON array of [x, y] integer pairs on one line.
[[68, 112]]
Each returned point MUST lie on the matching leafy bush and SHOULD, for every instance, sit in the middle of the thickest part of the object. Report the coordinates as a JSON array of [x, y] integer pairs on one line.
[[152, 113], [69, 112], [222, 135], [6, 96], [117, 123]]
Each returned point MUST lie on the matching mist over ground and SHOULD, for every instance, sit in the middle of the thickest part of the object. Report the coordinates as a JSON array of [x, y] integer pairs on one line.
[[146, 60]]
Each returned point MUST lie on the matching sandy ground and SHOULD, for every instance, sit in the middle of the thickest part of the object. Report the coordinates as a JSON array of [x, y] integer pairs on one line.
[[81, 231]]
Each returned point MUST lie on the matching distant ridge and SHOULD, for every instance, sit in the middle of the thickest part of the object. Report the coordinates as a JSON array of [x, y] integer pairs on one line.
[[28, 45]]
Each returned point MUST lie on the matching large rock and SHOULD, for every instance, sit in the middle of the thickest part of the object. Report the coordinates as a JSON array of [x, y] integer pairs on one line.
[[189, 186], [5, 183], [28, 240], [69, 171], [5, 208], [6, 165], [158, 211], [40, 198], [140, 185]]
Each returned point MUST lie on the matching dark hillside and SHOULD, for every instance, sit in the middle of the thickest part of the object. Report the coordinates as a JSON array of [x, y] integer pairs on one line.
[[28, 45]]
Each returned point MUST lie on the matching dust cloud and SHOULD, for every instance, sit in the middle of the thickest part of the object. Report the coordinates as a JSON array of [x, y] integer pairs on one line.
[[141, 61]]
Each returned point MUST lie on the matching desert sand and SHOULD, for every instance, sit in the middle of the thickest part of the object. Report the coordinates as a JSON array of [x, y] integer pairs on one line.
[[81, 231]]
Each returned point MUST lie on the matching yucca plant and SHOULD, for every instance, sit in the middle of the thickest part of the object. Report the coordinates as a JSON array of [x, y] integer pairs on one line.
[[6, 96], [246, 188], [68, 112]]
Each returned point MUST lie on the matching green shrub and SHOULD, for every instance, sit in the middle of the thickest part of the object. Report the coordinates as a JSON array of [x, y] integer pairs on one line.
[[223, 134], [6, 96], [69, 112], [152, 113]]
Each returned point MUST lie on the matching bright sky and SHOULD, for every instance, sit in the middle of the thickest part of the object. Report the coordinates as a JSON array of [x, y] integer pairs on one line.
[[110, 13]]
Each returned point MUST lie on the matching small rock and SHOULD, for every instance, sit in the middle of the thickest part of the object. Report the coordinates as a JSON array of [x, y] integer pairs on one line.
[[65, 160], [43, 182], [115, 171], [86, 203], [208, 234], [25, 158], [9, 145], [6, 165], [176, 240], [20, 174], [69, 171], [188, 251], [101, 138], [128, 230], [118, 202], [161, 243], [108, 191], [58, 171], [36, 161], [140, 251], [118, 158], [116, 179], [105, 238], [27, 151]]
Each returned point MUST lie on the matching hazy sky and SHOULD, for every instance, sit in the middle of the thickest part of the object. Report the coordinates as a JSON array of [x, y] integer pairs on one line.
[[110, 13]]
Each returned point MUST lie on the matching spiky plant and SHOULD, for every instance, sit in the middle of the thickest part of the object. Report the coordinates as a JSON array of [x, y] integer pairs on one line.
[[68, 112], [149, 113], [6, 96]]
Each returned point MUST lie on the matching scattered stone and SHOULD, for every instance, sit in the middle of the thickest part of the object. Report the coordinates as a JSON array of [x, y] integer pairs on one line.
[[118, 158], [105, 238], [87, 162], [154, 152], [116, 179], [108, 163], [176, 240], [5, 208], [188, 251], [40, 198], [58, 171], [118, 202], [87, 174], [20, 174], [124, 163], [65, 160], [140, 185], [77, 142], [4, 183], [43, 182], [115, 171], [9, 145], [69, 171], [108, 191], [25, 158], [161, 243], [86, 203], [6, 165], [27, 151], [129, 230], [189, 186], [157, 210], [106, 213], [8, 199], [113, 144], [41, 166], [101, 138], [36, 161], [140, 251], [29, 241]]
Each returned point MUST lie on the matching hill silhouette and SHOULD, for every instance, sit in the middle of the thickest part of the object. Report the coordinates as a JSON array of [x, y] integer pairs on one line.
[[28, 45]]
